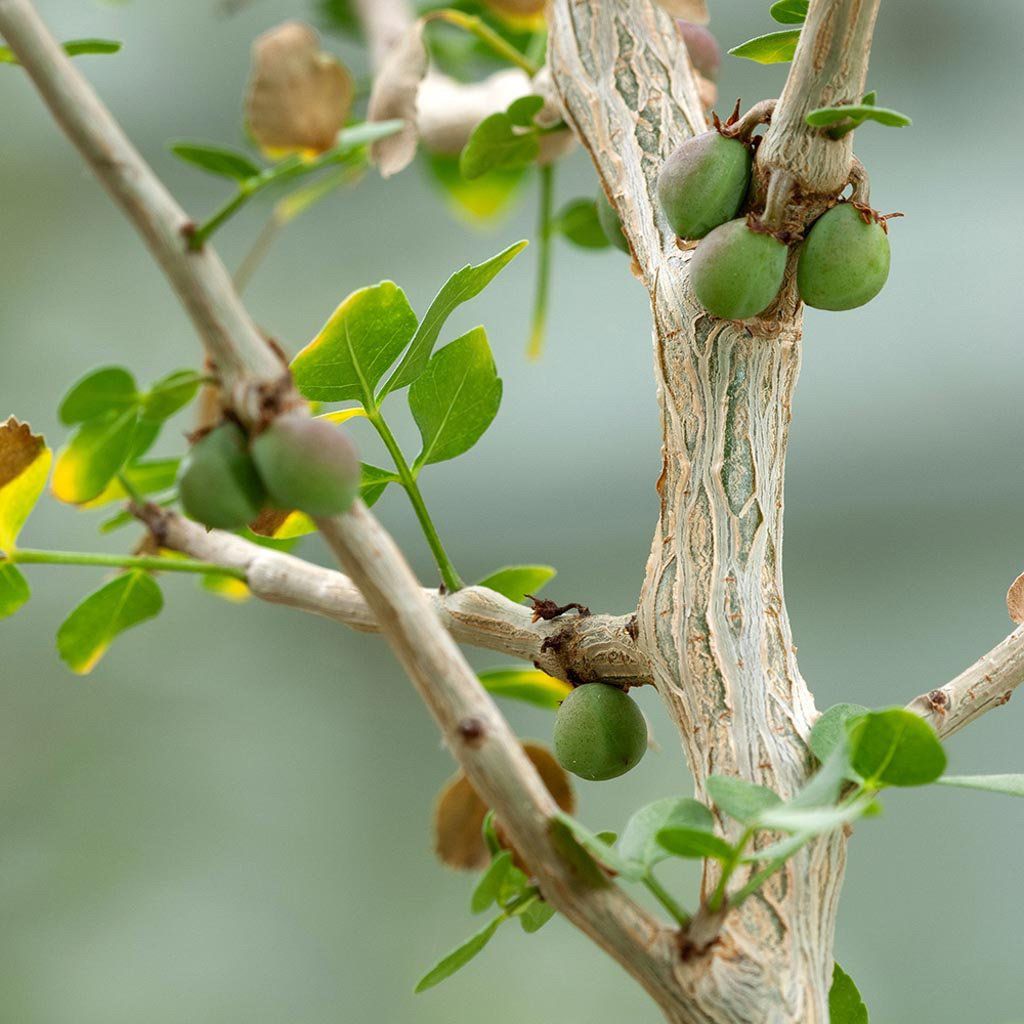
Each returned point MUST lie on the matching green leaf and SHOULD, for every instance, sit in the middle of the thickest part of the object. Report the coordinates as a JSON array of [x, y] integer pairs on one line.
[[490, 834], [24, 466], [825, 785], [578, 222], [829, 730], [88, 631], [535, 915], [456, 398], [1010, 785], [602, 851], [845, 1005], [486, 892], [639, 841], [773, 48], [145, 478], [516, 581], [373, 482], [869, 98], [111, 389], [219, 160], [458, 958], [356, 346], [529, 685], [169, 394], [522, 111], [694, 843], [14, 591], [789, 12], [73, 48], [462, 286], [512, 887], [821, 117], [482, 200], [741, 799], [812, 821], [93, 456], [503, 140], [895, 748]]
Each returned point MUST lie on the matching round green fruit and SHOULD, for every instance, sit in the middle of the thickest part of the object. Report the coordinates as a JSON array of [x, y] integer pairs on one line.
[[218, 483], [308, 465], [844, 261], [736, 272], [610, 223], [704, 183], [599, 732]]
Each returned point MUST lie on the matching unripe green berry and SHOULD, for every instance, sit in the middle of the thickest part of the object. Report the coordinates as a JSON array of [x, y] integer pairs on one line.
[[218, 484], [610, 223], [599, 732], [704, 183], [844, 261], [307, 464], [736, 272]]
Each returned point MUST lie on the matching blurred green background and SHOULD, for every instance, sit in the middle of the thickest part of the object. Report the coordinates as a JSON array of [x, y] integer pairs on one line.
[[228, 821]]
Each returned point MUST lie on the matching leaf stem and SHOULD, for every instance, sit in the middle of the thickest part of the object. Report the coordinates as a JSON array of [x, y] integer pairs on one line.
[[477, 27], [151, 563], [544, 232], [407, 478], [681, 917], [197, 239]]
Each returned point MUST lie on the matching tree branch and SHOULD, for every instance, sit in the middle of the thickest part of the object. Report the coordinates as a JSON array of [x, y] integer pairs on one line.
[[250, 371], [577, 649], [489, 751], [988, 683]]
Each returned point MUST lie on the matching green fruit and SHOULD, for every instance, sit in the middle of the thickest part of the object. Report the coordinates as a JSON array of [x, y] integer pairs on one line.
[[844, 262], [599, 732], [218, 483], [308, 465], [610, 223], [736, 272], [704, 183]]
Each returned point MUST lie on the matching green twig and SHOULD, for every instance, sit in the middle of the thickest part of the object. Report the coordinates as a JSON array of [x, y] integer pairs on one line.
[[681, 917], [479, 28], [407, 478], [544, 231], [154, 563]]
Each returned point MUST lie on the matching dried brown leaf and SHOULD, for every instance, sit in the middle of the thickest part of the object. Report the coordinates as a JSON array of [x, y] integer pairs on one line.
[[1015, 599], [394, 96], [19, 448], [298, 96], [459, 813]]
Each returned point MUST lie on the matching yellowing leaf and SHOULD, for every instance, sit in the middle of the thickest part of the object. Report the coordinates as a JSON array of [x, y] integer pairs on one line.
[[93, 456], [227, 587], [24, 466], [342, 415], [89, 630], [529, 685]]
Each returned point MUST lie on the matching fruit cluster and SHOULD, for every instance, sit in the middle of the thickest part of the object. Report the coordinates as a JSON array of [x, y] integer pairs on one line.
[[294, 463], [738, 267]]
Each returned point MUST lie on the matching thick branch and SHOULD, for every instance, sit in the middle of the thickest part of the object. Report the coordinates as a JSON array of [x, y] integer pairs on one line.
[[988, 683], [474, 729], [250, 370], [587, 649]]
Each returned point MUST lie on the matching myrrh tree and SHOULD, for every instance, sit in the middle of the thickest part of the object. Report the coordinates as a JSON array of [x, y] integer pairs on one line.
[[731, 225]]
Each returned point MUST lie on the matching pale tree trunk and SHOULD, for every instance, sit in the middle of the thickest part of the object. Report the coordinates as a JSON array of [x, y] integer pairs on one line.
[[712, 617]]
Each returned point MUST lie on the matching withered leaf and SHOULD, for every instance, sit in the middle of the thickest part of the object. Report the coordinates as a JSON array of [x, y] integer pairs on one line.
[[394, 95], [298, 96], [1015, 599], [459, 812]]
